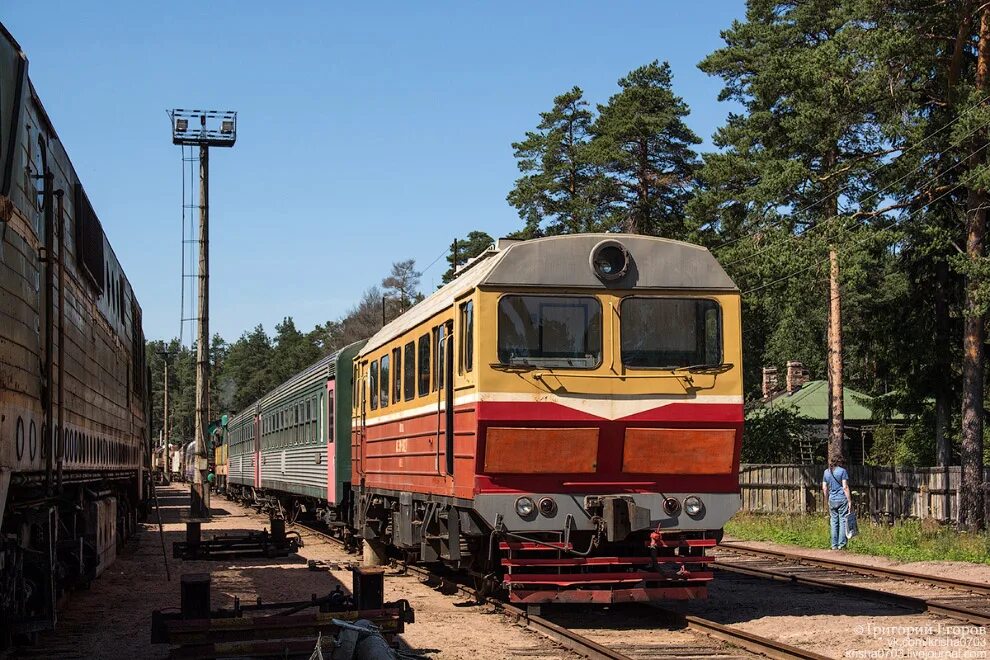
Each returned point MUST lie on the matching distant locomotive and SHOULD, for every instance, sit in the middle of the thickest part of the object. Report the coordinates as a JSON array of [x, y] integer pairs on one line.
[[74, 398], [563, 419]]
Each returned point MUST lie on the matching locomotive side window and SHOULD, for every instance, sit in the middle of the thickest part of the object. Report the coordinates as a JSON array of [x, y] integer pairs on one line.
[[550, 331], [436, 361], [397, 375], [409, 371], [424, 365], [660, 333], [467, 336], [373, 384], [385, 373]]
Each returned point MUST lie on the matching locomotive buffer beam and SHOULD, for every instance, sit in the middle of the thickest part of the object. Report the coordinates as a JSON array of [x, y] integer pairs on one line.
[[263, 544], [277, 629]]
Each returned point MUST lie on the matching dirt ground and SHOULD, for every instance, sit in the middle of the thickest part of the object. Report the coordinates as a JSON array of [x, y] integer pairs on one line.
[[113, 618]]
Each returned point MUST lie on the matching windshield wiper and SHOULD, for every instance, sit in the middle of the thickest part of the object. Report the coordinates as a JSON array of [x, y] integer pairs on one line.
[[702, 368]]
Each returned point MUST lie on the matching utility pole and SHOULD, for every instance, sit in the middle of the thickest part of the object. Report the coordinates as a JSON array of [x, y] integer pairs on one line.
[[200, 494], [216, 129], [165, 431]]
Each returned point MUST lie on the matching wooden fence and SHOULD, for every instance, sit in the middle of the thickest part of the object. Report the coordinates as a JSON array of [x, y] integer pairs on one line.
[[879, 491]]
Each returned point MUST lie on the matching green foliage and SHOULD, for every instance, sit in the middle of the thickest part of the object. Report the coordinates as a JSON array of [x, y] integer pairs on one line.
[[906, 540], [468, 248], [772, 435]]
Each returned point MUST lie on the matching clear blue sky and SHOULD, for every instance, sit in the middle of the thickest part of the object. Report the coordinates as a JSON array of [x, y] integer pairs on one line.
[[367, 133]]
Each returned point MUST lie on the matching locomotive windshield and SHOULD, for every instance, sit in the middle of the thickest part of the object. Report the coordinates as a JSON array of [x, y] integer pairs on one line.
[[670, 332], [550, 331]]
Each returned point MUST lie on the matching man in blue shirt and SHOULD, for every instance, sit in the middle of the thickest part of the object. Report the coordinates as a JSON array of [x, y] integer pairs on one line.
[[835, 487]]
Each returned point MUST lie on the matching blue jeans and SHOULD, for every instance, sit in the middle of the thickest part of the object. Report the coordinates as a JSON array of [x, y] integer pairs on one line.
[[837, 510]]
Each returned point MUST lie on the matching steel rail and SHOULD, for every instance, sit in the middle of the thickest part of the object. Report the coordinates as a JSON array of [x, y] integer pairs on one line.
[[747, 641], [567, 638], [853, 567], [908, 602], [590, 649]]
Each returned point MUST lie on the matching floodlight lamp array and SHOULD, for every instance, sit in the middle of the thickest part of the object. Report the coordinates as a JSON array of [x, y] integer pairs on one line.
[[211, 128]]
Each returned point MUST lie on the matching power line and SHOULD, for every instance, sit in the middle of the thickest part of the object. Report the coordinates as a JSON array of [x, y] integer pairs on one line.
[[931, 179], [891, 224], [812, 205]]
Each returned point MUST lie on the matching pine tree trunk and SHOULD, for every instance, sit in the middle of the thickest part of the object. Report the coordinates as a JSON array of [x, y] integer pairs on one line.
[[971, 514], [943, 394], [836, 431]]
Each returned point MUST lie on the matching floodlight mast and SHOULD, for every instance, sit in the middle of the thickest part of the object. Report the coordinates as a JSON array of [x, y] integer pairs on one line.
[[213, 129]]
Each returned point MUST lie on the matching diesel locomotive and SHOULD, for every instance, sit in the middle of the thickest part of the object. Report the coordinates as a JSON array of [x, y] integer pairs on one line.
[[563, 420], [74, 402]]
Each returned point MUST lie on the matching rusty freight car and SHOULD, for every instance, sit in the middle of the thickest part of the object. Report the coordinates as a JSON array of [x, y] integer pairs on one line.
[[73, 380]]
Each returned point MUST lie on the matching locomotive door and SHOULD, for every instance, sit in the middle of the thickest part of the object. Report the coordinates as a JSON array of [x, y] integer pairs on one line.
[[448, 395]]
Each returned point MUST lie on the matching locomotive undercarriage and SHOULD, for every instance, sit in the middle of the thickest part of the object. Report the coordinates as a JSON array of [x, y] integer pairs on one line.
[[612, 563], [52, 544]]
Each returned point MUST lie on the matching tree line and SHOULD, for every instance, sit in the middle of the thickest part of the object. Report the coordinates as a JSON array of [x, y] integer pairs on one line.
[[846, 198], [244, 370]]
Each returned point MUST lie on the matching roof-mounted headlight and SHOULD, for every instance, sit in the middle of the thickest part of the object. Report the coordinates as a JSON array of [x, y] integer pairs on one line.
[[610, 260]]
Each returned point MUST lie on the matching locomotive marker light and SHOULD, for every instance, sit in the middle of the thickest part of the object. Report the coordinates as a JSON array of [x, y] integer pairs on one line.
[[548, 507], [205, 129]]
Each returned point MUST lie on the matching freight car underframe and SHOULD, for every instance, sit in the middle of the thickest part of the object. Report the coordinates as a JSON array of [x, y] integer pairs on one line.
[[624, 556], [54, 540]]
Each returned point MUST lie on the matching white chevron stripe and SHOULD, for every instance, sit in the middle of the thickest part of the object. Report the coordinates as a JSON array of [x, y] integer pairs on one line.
[[610, 407]]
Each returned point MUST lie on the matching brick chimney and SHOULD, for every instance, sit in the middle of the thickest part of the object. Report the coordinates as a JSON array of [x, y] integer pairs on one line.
[[797, 376], [769, 381]]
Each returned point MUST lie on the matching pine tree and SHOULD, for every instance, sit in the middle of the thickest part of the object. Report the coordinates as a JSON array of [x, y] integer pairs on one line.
[[646, 149], [468, 248], [561, 187], [805, 145]]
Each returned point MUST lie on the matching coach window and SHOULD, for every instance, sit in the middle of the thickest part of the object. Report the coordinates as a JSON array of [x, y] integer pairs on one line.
[[409, 371], [550, 331], [396, 375], [385, 373], [424, 365], [373, 384], [668, 333], [467, 336]]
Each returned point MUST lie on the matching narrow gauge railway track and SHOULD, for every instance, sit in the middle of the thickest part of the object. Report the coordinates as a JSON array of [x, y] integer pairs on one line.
[[586, 647], [960, 599]]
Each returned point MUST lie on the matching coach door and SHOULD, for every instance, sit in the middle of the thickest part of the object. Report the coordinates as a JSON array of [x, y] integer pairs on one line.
[[361, 394], [256, 450], [328, 434]]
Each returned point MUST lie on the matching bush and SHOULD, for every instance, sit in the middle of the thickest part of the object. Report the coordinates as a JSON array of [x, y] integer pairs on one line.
[[773, 435]]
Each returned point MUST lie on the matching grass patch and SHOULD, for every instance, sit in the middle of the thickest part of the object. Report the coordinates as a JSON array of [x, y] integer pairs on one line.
[[907, 540]]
